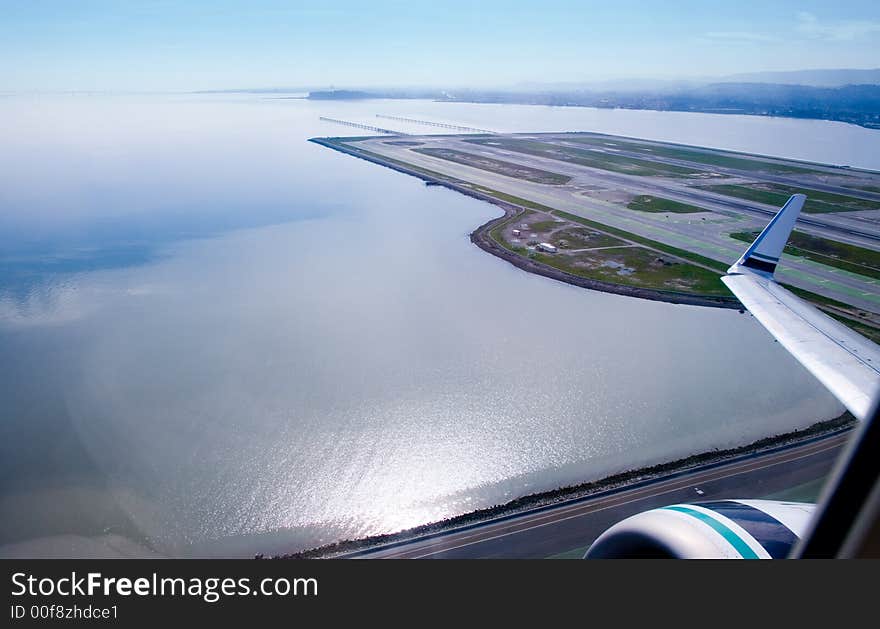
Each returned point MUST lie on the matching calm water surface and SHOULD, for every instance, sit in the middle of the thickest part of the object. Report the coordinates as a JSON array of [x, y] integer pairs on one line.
[[217, 338]]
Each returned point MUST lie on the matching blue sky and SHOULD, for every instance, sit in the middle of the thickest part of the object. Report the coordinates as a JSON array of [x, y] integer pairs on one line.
[[206, 44]]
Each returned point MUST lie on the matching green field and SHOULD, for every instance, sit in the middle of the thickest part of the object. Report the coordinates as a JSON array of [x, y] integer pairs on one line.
[[648, 203], [774, 194], [542, 226], [583, 238], [621, 263], [681, 253], [830, 252], [638, 267], [591, 159], [695, 155], [508, 169], [675, 251]]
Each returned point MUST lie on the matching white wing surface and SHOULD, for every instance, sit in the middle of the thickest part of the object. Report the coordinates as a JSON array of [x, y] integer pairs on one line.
[[845, 362]]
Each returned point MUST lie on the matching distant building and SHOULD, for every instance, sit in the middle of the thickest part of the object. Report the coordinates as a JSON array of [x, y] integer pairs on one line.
[[546, 246], [516, 232]]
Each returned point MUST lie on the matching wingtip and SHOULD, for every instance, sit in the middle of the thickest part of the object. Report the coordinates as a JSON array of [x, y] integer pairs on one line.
[[764, 253], [797, 199]]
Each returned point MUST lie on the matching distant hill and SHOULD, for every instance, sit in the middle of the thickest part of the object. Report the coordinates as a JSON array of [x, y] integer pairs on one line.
[[845, 95], [340, 95], [813, 78], [856, 104]]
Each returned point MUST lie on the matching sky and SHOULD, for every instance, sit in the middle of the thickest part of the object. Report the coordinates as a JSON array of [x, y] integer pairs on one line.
[[174, 45]]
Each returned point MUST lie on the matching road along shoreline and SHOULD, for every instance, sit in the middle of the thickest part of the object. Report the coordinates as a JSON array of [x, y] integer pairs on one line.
[[482, 236], [590, 489]]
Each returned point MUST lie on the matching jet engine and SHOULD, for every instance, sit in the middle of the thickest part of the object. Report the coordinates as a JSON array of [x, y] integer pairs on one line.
[[723, 529]]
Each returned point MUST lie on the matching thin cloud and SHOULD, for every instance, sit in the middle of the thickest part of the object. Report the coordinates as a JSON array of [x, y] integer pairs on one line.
[[848, 30], [739, 36]]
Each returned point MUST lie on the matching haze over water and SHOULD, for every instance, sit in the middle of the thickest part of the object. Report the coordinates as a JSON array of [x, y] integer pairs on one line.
[[217, 338]]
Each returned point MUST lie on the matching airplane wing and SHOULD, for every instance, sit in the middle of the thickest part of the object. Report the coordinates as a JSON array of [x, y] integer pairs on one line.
[[845, 362]]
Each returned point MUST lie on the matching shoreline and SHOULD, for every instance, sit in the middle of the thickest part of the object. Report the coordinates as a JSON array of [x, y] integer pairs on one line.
[[570, 493], [482, 238]]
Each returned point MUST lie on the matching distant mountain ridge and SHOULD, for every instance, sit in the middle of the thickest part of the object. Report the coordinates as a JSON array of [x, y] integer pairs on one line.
[[845, 95], [339, 95], [812, 78], [855, 104]]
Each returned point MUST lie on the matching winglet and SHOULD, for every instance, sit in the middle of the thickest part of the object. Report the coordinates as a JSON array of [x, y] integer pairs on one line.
[[763, 255]]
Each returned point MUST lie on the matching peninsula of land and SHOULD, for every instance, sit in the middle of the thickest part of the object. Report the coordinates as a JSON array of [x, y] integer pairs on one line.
[[648, 219]]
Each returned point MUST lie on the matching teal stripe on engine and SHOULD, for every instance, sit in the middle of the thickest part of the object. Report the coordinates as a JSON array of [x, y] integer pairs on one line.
[[733, 539]]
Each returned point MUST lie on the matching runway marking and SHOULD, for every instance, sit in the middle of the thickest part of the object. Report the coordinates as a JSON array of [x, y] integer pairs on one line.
[[600, 504]]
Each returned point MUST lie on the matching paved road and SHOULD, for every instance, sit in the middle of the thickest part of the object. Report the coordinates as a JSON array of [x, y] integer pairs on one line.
[[574, 525]]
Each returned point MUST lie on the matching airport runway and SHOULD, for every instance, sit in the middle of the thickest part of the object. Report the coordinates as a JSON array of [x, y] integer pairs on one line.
[[765, 176], [833, 222], [705, 237], [833, 225], [572, 526]]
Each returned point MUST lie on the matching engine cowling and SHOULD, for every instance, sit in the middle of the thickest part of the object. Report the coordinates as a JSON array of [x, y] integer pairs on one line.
[[723, 529]]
